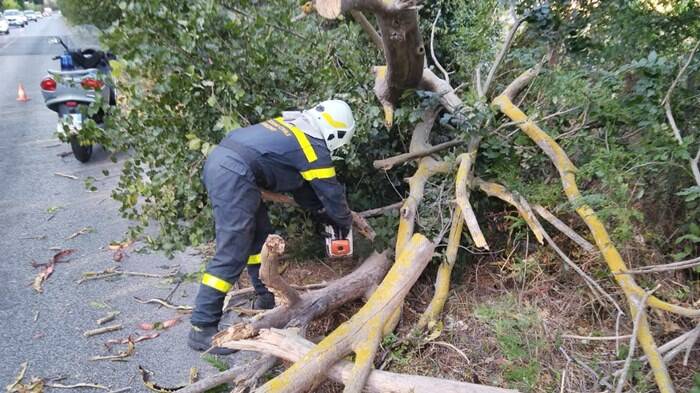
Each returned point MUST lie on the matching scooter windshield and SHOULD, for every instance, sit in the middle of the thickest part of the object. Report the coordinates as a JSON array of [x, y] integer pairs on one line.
[[84, 37]]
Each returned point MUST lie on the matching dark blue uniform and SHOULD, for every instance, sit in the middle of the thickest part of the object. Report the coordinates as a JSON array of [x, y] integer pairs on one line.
[[276, 156]]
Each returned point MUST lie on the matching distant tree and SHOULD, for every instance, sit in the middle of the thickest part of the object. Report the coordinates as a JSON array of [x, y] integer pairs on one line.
[[9, 4]]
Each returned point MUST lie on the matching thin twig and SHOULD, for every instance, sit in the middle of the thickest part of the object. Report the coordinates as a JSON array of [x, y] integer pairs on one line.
[[563, 228], [432, 48], [72, 177], [595, 338], [77, 385], [672, 121], [381, 210], [641, 311], [448, 345], [665, 267], [102, 330], [502, 53], [164, 303]]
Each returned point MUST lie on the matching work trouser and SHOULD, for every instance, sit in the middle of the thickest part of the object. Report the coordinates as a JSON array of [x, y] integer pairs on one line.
[[242, 225]]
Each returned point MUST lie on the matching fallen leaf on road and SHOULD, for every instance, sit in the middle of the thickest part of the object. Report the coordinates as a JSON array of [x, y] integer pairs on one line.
[[146, 375], [36, 385], [119, 250], [121, 356], [138, 339], [160, 325], [19, 377], [48, 268]]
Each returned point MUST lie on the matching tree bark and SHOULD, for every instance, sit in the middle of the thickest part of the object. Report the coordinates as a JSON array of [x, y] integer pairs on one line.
[[291, 347], [314, 303], [362, 333], [610, 254], [402, 45]]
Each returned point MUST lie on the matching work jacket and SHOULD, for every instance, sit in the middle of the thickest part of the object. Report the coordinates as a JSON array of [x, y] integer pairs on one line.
[[284, 159]]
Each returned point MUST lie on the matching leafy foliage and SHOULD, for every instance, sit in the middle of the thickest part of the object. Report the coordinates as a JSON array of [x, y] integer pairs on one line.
[[191, 71]]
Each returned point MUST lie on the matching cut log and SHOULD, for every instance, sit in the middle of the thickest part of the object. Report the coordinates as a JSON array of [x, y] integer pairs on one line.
[[362, 333], [291, 347], [314, 303]]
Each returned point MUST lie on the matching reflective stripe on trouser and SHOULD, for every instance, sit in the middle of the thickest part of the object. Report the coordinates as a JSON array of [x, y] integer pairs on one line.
[[235, 200], [262, 229]]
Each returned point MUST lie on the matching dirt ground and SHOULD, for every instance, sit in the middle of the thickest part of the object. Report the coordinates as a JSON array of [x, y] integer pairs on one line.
[[505, 320]]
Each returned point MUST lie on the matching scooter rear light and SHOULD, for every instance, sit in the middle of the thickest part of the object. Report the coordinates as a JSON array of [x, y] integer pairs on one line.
[[71, 104], [48, 84], [89, 83]]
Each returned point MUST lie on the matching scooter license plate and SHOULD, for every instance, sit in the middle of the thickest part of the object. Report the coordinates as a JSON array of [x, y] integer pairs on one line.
[[76, 119]]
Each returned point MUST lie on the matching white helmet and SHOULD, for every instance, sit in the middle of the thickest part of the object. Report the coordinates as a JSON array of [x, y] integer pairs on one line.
[[333, 118]]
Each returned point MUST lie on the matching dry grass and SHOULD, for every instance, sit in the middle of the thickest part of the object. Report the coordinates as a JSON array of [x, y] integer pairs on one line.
[[506, 314]]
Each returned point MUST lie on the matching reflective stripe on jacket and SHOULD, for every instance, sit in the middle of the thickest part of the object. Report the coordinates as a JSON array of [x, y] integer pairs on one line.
[[284, 159]]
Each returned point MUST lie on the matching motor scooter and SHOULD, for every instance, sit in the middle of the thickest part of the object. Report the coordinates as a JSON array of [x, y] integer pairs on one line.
[[82, 81]]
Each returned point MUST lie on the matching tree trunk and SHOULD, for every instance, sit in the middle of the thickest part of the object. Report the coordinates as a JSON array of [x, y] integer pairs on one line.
[[291, 347]]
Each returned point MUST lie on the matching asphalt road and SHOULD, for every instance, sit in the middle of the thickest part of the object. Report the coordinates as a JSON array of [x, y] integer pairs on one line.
[[39, 211]]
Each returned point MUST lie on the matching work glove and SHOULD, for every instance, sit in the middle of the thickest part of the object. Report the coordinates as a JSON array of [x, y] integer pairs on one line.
[[341, 231], [321, 217]]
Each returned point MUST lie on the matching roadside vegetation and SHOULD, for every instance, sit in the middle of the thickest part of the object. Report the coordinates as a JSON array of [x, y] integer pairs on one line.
[[617, 87]]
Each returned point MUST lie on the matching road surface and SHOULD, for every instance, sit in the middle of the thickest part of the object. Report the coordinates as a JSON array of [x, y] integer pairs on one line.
[[39, 211]]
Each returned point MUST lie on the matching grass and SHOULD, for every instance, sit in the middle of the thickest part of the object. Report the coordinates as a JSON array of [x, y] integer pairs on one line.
[[220, 365], [516, 329]]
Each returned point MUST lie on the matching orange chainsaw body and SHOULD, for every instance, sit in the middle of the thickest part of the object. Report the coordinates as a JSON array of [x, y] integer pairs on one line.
[[337, 247]]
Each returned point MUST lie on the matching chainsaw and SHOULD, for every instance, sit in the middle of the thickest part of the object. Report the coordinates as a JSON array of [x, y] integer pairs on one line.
[[336, 246]]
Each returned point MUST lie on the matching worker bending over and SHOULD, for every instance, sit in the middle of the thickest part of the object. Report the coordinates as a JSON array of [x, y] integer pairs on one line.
[[292, 154]]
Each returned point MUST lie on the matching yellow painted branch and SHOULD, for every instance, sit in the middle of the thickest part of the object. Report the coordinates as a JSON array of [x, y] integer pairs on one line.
[[364, 326], [500, 192], [416, 183], [442, 281], [462, 186], [610, 254]]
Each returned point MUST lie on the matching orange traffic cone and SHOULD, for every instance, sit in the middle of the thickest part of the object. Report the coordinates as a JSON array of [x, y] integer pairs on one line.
[[21, 94]]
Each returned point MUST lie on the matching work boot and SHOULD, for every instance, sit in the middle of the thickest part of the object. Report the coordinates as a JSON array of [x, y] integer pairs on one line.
[[200, 338], [266, 301]]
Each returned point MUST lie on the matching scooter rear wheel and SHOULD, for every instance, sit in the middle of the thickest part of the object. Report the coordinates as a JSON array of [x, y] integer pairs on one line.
[[81, 153]]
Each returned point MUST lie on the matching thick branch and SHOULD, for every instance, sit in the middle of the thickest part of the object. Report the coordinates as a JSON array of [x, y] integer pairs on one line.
[[610, 254], [269, 274], [463, 184], [497, 190], [358, 221], [520, 82], [291, 347], [388, 163], [234, 375], [314, 303], [442, 281], [367, 27], [364, 326], [401, 42]]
